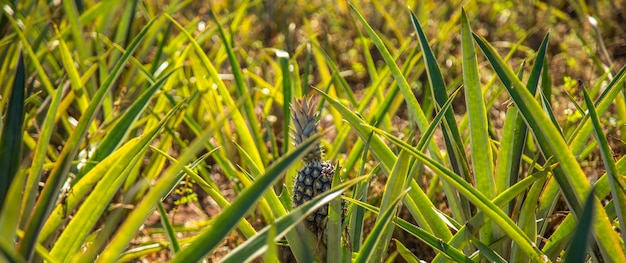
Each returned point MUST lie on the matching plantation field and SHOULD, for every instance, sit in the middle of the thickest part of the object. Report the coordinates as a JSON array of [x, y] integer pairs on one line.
[[430, 131]]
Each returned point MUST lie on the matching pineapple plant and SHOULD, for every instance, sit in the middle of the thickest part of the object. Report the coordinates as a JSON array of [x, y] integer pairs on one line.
[[316, 175]]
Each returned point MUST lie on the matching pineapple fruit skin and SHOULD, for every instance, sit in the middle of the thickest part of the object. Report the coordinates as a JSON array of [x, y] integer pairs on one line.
[[313, 179]]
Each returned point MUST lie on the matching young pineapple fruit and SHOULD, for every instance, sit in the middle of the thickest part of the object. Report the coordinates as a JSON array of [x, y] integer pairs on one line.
[[316, 176]]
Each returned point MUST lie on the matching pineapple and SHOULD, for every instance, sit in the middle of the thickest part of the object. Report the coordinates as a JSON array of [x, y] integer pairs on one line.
[[316, 176]]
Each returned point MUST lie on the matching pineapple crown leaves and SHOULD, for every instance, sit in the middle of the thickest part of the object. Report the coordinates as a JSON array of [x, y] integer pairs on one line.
[[304, 116], [304, 119]]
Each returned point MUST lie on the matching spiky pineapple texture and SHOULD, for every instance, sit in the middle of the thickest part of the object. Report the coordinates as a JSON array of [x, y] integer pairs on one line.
[[316, 176], [305, 124], [312, 180]]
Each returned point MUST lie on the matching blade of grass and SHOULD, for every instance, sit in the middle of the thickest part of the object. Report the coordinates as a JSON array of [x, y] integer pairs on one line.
[[9, 214], [381, 151], [6, 252], [283, 58], [465, 231], [244, 226], [41, 73], [263, 206], [513, 143], [488, 253], [603, 102], [420, 199], [340, 81], [39, 157], [360, 193], [272, 252], [527, 220], [277, 208], [73, 75]]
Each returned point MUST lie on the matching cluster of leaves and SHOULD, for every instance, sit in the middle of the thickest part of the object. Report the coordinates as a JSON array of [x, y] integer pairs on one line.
[[104, 116]]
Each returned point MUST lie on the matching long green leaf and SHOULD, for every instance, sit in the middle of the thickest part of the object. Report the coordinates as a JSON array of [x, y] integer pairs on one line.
[[224, 223], [380, 150], [12, 180], [43, 76], [439, 92], [434, 242], [59, 173], [88, 215], [39, 157], [244, 226], [158, 191], [480, 146], [478, 220], [603, 102], [114, 173], [283, 59], [9, 214], [115, 135], [514, 138], [450, 130], [356, 218], [334, 229], [413, 106], [169, 230], [11, 140], [257, 244], [69, 63], [406, 253], [95, 176], [572, 177], [6, 252], [563, 233], [244, 132], [477, 198], [384, 154], [377, 235], [258, 153], [577, 250], [396, 183], [615, 179]]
